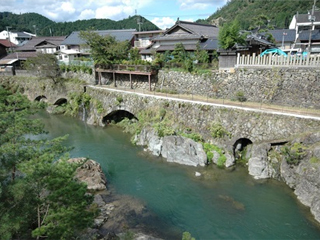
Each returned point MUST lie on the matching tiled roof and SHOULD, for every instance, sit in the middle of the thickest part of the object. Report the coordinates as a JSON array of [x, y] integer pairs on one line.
[[278, 34], [205, 30], [210, 44], [6, 43], [305, 35], [20, 55], [120, 35], [178, 37], [23, 34], [31, 44], [304, 18]]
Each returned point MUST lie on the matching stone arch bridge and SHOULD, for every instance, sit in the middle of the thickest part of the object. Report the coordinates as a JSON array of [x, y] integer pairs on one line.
[[244, 125]]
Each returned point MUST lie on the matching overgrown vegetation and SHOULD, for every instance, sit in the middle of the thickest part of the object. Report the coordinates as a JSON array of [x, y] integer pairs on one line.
[[294, 153], [77, 101], [33, 22], [209, 149], [218, 131], [76, 68], [279, 13], [39, 195], [44, 66]]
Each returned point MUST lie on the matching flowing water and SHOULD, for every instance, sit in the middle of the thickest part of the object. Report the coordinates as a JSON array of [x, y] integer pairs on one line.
[[221, 204]]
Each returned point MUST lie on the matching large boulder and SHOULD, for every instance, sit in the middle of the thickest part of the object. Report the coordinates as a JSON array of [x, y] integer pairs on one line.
[[148, 137], [258, 164], [183, 150], [90, 172]]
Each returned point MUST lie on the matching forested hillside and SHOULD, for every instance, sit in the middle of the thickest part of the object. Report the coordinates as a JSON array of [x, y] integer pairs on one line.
[[279, 12], [33, 22]]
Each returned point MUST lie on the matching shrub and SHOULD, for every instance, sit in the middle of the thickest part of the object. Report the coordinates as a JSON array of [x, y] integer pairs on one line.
[[240, 96], [218, 131], [294, 153]]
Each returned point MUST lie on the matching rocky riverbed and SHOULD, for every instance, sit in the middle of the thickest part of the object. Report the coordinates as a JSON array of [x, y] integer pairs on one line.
[[120, 216]]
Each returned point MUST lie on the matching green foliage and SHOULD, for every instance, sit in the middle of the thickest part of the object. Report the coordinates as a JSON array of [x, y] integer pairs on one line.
[[187, 236], [76, 68], [77, 101], [218, 131], [105, 50], [314, 160], [294, 153], [229, 35], [44, 65], [240, 96], [279, 13], [39, 195], [192, 135], [209, 148], [46, 27]]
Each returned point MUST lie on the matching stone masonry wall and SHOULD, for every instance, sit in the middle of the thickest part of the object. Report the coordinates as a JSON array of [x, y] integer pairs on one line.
[[287, 87], [255, 126]]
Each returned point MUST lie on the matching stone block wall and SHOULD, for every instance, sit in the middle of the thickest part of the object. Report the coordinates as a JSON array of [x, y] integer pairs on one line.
[[287, 87]]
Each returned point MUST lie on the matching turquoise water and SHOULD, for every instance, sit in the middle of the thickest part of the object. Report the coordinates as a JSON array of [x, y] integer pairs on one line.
[[221, 204]]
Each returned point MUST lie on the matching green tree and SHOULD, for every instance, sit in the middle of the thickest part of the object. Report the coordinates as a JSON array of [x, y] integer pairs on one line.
[[39, 196], [201, 55], [229, 35], [105, 49], [44, 66]]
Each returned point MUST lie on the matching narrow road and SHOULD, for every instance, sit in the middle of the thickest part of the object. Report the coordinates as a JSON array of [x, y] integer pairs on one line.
[[277, 110]]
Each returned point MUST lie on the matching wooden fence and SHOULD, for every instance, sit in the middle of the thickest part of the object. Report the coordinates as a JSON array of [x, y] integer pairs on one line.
[[280, 61]]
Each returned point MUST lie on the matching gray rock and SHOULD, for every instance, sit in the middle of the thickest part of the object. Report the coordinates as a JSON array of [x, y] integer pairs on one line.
[[230, 160], [183, 151], [149, 138], [258, 165], [90, 172]]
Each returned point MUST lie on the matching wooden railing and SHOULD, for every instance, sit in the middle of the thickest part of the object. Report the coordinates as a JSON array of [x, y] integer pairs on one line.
[[281, 61], [129, 68]]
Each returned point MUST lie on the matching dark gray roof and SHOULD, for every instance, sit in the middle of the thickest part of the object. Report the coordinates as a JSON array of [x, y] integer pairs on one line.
[[31, 44], [20, 55], [258, 39], [205, 30], [120, 35], [304, 35], [23, 35], [304, 18], [178, 37], [288, 35], [210, 44]]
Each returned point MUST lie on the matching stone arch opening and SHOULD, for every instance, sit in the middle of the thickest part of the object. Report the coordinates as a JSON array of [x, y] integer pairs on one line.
[[239, 148], [118, 116], [41, 98], [60, 101]]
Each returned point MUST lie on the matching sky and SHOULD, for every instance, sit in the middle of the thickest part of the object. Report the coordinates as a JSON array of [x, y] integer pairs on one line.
[[163, 13]]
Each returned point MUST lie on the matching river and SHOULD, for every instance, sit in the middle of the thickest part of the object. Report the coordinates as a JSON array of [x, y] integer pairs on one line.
[[220, 204]]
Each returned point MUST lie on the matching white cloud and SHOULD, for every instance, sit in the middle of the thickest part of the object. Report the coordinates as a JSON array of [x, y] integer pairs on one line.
[[67, 7], [86, 14], [71, 10], [200, 4], [164, 22]]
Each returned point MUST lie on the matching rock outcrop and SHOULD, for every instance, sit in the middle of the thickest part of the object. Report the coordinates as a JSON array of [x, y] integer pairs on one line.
[[91, 173], [299, 171], [258, 164], [175, 149]]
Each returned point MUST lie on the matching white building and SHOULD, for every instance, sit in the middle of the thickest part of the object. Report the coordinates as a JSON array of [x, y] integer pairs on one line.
[[18, 38]]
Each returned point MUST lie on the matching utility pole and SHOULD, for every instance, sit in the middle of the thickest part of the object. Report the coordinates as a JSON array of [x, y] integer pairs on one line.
[[139, 23], [8, 27]]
